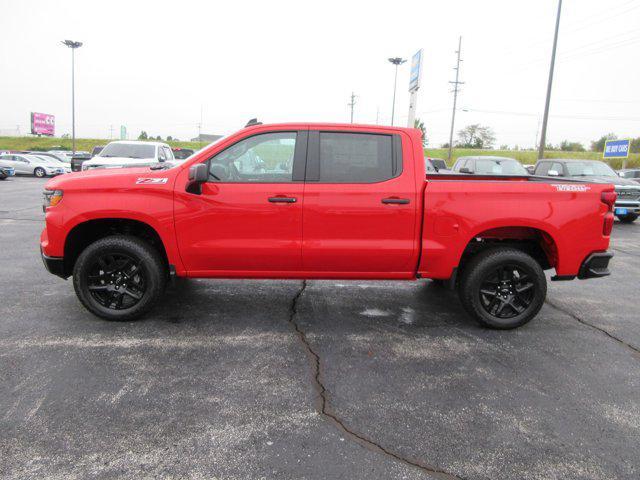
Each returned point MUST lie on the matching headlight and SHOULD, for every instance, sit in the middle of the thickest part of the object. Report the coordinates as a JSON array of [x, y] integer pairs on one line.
[[51, 198]]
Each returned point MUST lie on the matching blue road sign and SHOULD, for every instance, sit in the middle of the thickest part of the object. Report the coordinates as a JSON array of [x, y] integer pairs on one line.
[[616, 149], [416, 71]]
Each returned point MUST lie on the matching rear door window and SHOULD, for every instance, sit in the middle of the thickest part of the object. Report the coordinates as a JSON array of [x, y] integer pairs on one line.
[[356, 158]]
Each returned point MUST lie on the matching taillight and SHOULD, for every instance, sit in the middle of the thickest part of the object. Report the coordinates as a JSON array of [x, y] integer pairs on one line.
[[608, 224], [609, 199]]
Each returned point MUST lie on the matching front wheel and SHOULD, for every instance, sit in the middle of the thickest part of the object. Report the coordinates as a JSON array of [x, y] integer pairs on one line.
[[39, 172], [119, 277], [503, 288], [628, 218]]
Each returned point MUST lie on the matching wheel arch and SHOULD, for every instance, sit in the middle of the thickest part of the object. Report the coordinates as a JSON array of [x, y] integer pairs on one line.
[[87, 232], [533, 240]]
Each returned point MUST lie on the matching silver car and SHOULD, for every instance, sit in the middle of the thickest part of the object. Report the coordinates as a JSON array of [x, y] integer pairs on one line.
[[25, 164]]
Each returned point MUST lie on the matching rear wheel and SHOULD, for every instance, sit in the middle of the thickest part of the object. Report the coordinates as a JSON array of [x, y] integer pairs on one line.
[[119, 277], [39, 172], [503, 288], [628, 218]]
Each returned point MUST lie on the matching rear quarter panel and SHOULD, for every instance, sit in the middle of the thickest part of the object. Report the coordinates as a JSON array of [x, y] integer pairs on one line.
[[457, 211]]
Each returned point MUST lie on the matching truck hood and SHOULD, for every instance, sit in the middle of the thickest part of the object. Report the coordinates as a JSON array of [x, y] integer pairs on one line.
[[112, 178], [616, 181], [118, 161]]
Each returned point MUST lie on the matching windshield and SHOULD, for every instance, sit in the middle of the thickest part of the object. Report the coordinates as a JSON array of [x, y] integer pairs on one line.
[[499, 166], [128, 150], [584, 169]]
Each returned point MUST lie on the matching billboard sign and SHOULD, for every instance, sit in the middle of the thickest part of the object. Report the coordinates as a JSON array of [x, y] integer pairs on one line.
[[43, 124], [616, 149], [416, 71]]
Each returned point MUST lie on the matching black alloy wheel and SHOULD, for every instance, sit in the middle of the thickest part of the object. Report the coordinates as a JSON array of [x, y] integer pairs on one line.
[[502, 287], [116, 281], [507, 291], [120, 277]]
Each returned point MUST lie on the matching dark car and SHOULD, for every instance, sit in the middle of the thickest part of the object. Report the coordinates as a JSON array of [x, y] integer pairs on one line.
[[96, 150], [627, 207], [489, 165], [630, 174], [182, 153], [78, 159], [6, 172]]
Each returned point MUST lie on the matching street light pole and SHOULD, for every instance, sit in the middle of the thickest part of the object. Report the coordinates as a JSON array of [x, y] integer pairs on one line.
[[543, 133], [73, 45], [396, 61]]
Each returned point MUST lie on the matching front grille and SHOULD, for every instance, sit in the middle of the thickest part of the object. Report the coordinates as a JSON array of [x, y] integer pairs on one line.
[[628, 195]]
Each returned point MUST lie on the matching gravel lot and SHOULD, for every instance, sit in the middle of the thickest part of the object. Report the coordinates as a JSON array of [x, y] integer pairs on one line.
[[328, 379]]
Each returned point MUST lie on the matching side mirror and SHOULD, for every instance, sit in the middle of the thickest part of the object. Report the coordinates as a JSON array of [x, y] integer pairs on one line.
[[199, 173], [553, 173], [466, 170]]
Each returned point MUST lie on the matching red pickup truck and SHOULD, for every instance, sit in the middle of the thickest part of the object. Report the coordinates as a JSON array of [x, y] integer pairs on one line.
[[322, 201]]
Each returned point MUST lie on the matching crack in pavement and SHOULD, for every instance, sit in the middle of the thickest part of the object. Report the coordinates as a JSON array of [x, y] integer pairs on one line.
[[626, 252], [581, 320], [324, 409]]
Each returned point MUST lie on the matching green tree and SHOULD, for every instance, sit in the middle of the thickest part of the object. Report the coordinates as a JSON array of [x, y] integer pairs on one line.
[[143, 136], [635, 145], [475, 136], [419, 124], [598, 145], [169, 138], [567, 146]]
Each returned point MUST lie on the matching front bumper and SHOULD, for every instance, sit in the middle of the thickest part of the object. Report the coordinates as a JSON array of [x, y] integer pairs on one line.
[[629, 206], [595, 265], [54, 265]]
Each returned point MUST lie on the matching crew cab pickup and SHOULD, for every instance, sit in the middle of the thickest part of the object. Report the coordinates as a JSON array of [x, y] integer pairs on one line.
[[322, 201]]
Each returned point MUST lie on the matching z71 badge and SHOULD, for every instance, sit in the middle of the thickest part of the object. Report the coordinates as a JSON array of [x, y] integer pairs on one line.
[[564, 187], [151, 181]]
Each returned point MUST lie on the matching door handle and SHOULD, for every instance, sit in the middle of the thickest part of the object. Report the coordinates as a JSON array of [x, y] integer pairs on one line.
[[396, 201], [283, 199]]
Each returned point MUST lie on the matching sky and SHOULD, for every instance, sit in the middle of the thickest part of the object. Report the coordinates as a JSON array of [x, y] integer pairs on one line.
[[167, 67]]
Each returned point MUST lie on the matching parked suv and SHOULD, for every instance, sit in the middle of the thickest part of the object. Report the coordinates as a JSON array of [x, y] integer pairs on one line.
[[130, 154], [627, 206]]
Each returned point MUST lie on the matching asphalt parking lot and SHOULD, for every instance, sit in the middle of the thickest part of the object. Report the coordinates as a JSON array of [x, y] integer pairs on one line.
[[323, 379]]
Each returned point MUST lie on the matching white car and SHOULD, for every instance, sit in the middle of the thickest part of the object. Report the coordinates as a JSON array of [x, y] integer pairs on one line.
[[130, 154], [28, 164]]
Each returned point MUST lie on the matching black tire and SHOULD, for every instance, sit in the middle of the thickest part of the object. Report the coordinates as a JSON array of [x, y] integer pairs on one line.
[[502, 288], [628, 218], [119, 277], [40, 172]]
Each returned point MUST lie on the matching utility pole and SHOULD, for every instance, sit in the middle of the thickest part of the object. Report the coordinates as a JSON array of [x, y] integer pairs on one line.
[[456, 88], [111, 132], [351, 104], [377, 115], [396, 61], [543, 134]]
